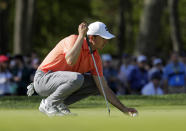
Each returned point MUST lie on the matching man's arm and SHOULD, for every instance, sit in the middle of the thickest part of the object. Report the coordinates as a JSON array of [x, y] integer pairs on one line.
[[111, 97], [73, 54]]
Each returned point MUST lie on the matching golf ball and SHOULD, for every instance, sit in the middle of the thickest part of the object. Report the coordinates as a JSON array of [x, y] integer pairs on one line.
[[133, 114]]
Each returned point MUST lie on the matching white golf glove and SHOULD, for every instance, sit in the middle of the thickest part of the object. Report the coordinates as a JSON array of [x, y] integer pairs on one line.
[[30, 89]]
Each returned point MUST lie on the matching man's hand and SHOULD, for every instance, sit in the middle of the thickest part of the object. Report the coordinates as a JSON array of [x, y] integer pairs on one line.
[[113, 99], [130, 111], [82, 29], [73, 54]]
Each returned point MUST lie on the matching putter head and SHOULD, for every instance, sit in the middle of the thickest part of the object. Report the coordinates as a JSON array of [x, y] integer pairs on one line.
[[109, 112]]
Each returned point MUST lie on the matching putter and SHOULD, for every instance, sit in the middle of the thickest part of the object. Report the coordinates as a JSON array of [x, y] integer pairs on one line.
[[91, 51]]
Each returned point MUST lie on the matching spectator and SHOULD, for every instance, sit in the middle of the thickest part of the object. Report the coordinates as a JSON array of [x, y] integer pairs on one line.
[[109, 72], [5, 76], [35, 65], [183, 58], [174, 75], [157, 66], [128, 63], [138, 76], [34, 60], [153, 87], [21, 74], [125, 68]]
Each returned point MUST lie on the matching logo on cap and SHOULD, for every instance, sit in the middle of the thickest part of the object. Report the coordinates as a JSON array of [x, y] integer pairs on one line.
[[106, 28]]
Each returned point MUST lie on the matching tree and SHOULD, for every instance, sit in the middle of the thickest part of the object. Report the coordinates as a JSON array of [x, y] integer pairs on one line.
[[54, 20], [4, 10], [27, 35], [149, 27], [174, 25], [17, 26], [23, 26], [125, 33], [121, 28]]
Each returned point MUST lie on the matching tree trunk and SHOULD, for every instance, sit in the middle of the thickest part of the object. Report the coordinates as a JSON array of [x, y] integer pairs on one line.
[[27, 40], [23, 26], [149, 27], [121, 27], [129, 28], [174, 25], [121, 30], [17, 26], [3, 26]]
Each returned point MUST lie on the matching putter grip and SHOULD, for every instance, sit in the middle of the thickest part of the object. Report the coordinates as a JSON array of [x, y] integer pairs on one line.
[[87, 39]]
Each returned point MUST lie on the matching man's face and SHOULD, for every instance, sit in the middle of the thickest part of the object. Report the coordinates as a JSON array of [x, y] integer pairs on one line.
[[159, 66], [4, 65], [106, 63], [99, 42], [175, 58], [142, 64], [183, 59], [156, 82]]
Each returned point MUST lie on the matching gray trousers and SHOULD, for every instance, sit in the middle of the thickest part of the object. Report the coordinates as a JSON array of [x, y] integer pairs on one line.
[[64, 86]]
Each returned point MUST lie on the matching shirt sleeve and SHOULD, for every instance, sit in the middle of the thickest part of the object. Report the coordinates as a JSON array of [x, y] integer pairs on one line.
[[147, 90], [68, 43], [131, 74]]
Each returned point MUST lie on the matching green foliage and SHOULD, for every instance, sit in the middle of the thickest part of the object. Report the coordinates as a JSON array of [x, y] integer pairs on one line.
[[164, 45], [182, 19], [54, 20], [107, 12], [9, 7], [132, 19], [57, 19]]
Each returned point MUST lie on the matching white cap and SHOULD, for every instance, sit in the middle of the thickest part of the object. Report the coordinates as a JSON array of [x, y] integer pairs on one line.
[[157, 61], [99, 28], [141, 58], [106, 57]]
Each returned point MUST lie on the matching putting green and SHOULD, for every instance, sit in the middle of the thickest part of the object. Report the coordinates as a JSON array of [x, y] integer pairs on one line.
[[163, 118]]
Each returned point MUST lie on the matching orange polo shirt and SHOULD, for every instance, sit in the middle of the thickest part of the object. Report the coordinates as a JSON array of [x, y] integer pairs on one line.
[[55, 60]]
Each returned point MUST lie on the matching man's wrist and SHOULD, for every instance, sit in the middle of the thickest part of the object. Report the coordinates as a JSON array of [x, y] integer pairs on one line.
[[125, 109], [81, 36]]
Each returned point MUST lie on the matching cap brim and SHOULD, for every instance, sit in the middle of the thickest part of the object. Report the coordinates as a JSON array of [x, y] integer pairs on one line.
[[157, 63], [107, 35]]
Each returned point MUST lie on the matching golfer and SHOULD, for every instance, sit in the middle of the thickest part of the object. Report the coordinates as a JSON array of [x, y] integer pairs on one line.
[[68, 74]]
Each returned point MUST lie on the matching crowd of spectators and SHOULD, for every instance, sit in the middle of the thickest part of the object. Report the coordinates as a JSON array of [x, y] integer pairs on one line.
[[146, 76], [16, 73], [135, 75]]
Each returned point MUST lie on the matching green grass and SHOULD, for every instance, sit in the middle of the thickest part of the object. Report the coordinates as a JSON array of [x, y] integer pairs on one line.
[[23, 102], [156, 113]]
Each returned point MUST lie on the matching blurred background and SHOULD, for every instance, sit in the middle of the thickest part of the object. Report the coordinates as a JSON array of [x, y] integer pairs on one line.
[[148, 51]]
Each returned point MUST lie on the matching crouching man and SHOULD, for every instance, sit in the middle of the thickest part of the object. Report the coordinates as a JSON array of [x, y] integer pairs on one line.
[[62, 77]]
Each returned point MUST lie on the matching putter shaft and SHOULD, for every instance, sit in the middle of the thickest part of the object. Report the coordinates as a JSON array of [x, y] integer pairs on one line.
[[98, 75]]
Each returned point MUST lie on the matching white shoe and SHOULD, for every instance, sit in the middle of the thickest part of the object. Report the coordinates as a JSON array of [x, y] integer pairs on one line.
[[64, 109], [49, 110]]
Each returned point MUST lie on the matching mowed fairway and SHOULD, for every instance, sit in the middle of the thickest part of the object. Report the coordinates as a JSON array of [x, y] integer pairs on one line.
[[151, 118]]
